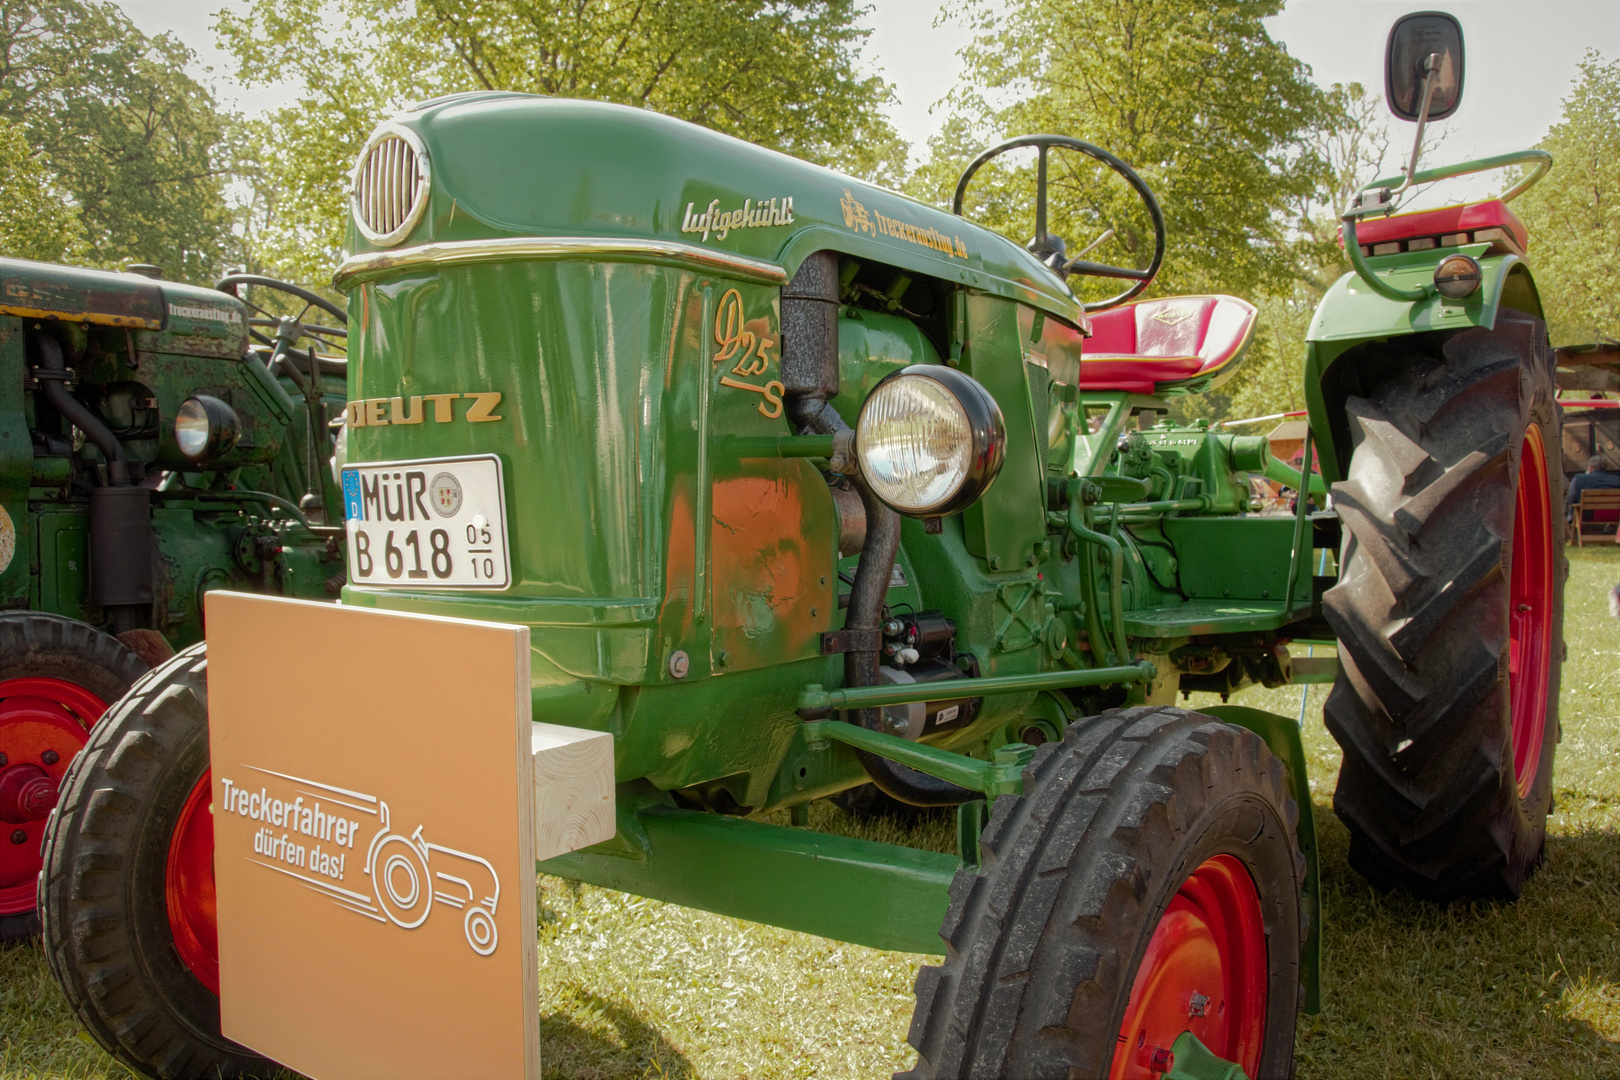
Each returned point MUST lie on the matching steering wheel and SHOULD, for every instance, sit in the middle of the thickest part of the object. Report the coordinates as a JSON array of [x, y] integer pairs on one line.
[[324, 326], [1050, 249], [266, 326]]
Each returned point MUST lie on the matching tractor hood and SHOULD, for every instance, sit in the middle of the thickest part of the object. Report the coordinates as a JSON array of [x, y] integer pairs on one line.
[[36, 290], [500, 176]]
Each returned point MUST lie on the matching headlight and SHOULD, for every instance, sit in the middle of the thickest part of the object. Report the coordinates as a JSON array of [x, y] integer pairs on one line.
[[205, 427], [929, 440], [1457, 277]]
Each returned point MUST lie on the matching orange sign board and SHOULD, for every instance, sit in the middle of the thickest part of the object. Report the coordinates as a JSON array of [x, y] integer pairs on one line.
[[374, 839]]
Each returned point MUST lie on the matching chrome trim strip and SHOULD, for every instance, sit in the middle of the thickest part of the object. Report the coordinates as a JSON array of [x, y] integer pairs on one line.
[[607, 249]]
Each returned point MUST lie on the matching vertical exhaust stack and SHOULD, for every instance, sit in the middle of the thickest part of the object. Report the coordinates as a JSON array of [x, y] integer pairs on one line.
[[810, 378], [810, 345], [120, 513]]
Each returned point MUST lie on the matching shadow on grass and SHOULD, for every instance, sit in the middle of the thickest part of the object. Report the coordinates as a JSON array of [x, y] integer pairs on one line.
[[1471, 989], [596, 1038]]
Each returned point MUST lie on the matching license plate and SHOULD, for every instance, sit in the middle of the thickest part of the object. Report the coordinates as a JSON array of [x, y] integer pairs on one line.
[[438, 524]]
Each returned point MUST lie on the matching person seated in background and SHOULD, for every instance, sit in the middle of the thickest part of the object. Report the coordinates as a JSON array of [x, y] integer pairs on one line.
[[1596, 477]]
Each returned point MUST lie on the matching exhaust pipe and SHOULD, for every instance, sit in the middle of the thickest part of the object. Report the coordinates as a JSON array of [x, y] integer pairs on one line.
[[120, 513], [809, 379]]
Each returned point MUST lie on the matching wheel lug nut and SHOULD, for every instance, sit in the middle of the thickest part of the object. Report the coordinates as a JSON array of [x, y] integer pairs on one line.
[[18, 836], [50, 757], [1163, 1060]]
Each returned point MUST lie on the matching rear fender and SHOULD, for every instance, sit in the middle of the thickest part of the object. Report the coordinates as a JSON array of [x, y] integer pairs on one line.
[[1352, 313]]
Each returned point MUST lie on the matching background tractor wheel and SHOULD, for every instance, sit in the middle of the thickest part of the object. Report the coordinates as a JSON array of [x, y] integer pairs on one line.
[[57, 676], [1146, 883], [127, 896], [1449, 612]]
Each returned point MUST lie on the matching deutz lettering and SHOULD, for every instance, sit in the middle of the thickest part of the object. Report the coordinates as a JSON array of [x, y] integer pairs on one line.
[[393, 411]]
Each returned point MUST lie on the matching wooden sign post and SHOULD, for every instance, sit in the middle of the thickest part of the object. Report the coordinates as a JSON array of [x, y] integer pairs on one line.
[[375, 779]]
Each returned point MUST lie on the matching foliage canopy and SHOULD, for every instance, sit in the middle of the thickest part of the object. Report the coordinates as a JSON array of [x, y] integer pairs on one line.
[[1573, 214], [134, 142], [781, 73], [1194, 94], [36, 221]]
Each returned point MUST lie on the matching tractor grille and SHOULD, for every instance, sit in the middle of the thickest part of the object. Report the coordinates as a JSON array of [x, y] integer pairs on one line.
[[390, 187]]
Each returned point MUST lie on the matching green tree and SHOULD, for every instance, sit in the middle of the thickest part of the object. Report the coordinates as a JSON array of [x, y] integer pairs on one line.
[[36, 222], [781, 73], [1350, 142], [1194, 94], [1573, 214], [132, 140]]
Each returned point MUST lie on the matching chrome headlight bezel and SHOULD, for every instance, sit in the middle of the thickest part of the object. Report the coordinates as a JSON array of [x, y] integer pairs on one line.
[[981, 450]]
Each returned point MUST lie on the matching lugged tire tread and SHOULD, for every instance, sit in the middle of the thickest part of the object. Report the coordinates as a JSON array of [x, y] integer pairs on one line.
[[1420, 703], [1126, 782], [85, 893], [40, 643]]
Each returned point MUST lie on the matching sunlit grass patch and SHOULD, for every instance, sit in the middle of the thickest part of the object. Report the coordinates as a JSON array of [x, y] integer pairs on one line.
[[39, 1035], [634, 988]]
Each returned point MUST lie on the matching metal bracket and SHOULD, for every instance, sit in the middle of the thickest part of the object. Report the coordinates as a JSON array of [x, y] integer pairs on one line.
[[846, 641], [1003, 776]]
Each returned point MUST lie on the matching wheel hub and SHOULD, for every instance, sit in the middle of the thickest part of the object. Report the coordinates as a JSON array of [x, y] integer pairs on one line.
[[1204, 971], [44, 723], [1530, 612], [188, 885], [27, 793]]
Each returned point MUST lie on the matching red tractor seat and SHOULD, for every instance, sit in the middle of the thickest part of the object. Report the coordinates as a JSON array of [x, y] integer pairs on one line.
[[1489, 222], [1156, 345]]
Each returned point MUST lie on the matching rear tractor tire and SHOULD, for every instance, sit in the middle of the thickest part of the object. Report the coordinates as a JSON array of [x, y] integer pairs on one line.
[[57, 677], [1449, 613], [1146, 884], [127, 895]]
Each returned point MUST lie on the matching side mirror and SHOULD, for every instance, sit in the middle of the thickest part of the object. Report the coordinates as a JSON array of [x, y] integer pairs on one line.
[[1412, 41]]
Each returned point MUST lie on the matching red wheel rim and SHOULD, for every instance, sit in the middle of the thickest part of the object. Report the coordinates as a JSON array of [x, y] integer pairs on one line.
[[188, 885], [1530, 614], [44, 723], [1204, 971]]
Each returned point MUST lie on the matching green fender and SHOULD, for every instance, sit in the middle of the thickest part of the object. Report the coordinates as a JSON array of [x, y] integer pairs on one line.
[[1352, 313], [1281, 734]]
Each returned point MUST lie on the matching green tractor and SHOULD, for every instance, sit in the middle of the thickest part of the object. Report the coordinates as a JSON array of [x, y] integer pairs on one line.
[[801, 486], [155, 443]]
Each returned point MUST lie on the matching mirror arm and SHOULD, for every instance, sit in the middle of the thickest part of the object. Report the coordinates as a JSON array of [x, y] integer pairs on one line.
[[1431, 64]]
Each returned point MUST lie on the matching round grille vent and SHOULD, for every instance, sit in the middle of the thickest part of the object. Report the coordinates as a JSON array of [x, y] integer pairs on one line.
[[390, 188]]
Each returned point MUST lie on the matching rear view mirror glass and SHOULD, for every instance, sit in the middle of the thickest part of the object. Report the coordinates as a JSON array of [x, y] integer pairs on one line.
[[1412, 40]]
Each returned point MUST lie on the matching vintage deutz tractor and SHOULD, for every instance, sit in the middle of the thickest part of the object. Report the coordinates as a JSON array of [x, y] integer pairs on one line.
[[801, 485], [154, 444]]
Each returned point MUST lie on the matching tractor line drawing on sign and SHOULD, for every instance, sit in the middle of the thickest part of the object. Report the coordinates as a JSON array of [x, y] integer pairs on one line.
[[404, 885]]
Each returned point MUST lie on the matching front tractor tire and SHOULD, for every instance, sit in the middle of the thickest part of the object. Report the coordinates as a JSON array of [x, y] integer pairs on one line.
[[57, 677], [1449, 612], [127, 894], [1147, 884]]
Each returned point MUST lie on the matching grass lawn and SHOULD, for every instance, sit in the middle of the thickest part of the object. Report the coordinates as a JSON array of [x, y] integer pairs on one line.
[[635, 988]]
